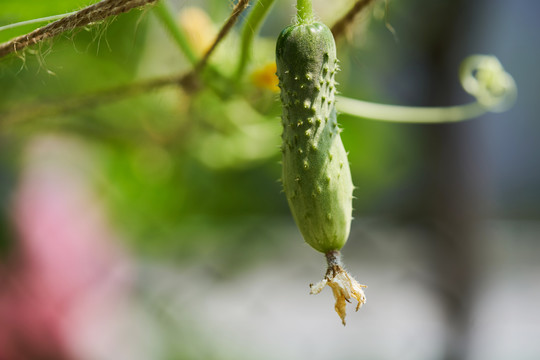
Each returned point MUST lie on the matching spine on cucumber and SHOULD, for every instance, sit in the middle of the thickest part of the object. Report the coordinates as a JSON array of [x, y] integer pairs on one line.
[[316, 176]]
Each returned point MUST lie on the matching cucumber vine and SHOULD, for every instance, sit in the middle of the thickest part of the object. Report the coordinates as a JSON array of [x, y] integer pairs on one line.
[[316, 175]]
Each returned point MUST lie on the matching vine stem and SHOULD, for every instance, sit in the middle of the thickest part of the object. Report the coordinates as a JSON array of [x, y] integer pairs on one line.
[[304, 12]]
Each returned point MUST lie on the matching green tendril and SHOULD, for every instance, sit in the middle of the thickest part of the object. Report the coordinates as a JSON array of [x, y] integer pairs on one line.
[[482, 76], [35, 21]]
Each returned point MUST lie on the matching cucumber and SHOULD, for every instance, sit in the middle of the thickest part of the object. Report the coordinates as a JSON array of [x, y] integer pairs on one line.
[[316, 176]]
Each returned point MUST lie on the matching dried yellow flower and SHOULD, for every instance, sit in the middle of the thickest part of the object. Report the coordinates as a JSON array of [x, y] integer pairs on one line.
[[265, 77], [343, 285]]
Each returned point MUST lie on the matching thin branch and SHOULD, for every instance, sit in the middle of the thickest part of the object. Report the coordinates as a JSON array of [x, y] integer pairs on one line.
[[341, 26], [190, 79], [237, 10], [24, 112], [187, 81], [91, 14]]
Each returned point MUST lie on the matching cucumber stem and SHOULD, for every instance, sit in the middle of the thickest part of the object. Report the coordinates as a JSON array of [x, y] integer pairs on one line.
[[304, 12], [333, 258]]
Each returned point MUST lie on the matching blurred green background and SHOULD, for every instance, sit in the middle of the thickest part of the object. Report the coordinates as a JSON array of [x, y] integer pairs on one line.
[[154, 227]]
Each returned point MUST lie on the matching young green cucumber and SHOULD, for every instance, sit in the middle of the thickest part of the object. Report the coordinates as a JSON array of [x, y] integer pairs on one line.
[[316, 176]]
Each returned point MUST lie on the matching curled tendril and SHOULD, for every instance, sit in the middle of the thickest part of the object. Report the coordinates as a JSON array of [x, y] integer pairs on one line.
[[482, 76]]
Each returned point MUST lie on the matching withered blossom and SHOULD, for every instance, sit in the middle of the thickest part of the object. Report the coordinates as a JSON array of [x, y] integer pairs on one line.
[[343, 285]]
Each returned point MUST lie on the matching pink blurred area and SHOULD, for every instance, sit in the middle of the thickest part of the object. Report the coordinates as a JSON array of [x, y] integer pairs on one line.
[[68, 274]]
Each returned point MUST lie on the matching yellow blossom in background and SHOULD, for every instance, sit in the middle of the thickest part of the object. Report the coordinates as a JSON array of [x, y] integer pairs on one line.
[[198, 27], [265, 77]]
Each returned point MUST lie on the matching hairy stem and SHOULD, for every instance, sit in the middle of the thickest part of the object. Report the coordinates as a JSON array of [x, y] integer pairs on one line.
[[304, 12], [91, 14], [333, 259]]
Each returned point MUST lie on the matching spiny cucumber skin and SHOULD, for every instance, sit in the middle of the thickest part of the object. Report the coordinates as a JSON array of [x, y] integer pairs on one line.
[[316, 175]]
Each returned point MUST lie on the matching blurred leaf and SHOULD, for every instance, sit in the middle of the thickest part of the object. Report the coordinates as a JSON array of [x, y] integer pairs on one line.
[[14, 11]]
